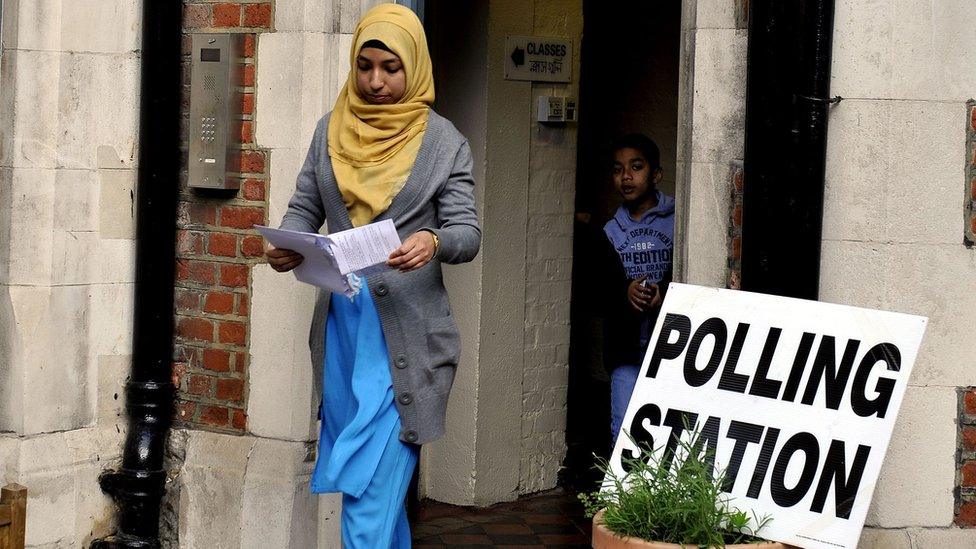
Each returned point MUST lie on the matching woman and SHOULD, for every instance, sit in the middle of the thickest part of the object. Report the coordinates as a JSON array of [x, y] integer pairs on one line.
[[390, 351]]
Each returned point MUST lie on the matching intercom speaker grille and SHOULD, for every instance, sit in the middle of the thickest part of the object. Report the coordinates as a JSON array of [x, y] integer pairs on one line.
[[210, 82]]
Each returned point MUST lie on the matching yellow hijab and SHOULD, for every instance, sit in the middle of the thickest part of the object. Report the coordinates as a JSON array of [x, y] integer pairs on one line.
[[373, 147]]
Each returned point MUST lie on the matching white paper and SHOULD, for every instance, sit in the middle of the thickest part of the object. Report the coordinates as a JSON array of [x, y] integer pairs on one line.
[[364, 247], [319, 267], [329, 259]]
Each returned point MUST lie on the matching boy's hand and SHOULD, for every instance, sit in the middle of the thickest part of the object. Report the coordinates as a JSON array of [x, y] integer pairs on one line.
[[643, 298], [283, 260], [414, 253]]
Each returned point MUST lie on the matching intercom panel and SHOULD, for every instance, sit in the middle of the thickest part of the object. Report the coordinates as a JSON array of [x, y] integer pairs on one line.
[[215, 111]]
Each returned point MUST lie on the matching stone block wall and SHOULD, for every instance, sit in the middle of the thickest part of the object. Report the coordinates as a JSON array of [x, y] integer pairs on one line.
[[969, 230], [69, 115], [216, 245]]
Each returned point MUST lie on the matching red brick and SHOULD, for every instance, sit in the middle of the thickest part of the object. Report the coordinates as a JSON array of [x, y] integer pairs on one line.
[[199, 385], [972, 223], [240, 419], [196, 16], [240, 362], [737, 216], [969, 402], [187, 300], [217, 416], [972, 189], [252, 162], [969, 438], [233, 333], [202, 272], [252, 246], [230, 389], [738, 180], [216, 360], [253, 189], [249, 43], [222, 244], [737, 248], [179, 368], [182, 269], [972, 118], [186, 354], [257, 15], [191, 327], [200, 213], [247, 103], [242, 304], [968, 471], [226, 15], [233, 275], [189, 243], [241, 217], [246, 132], [219, 303], [185, 411], [247, 75], [967, 514]]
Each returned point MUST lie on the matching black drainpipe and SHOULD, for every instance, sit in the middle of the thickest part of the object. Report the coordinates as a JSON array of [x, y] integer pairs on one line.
[[137, 486], [787, 99]]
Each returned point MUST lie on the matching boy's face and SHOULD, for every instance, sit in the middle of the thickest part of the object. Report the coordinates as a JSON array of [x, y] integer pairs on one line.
[[633, 177]]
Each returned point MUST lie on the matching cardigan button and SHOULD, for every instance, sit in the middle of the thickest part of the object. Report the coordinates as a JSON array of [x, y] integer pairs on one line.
[[400, 362], [382, 290], [406, 398], [411, 436]]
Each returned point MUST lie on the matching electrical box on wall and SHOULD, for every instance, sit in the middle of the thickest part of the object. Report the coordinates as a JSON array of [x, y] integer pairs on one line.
[[215, 111], [552, 109]]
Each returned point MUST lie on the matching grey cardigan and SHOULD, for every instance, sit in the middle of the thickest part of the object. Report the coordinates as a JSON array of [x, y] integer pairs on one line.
[[421, 335]]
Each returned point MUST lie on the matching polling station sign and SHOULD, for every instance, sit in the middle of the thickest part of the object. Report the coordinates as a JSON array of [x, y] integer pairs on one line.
[[795, 400]]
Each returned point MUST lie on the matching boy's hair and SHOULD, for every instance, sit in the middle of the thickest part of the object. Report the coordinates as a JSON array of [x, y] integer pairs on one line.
[[641, 143]]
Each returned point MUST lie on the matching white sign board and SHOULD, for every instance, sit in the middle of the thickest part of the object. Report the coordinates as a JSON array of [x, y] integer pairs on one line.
[[797, 400], [538, 59]]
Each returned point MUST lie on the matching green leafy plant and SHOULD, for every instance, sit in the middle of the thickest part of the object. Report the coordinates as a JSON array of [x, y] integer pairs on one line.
[[676, 500]]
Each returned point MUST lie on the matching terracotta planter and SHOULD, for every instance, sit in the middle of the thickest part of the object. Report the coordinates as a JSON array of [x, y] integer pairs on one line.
[[603, 538]]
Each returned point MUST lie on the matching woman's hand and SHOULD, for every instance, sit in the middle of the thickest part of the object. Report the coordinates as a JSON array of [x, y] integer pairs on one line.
[[415, 252], [283, 260], [643, 298]]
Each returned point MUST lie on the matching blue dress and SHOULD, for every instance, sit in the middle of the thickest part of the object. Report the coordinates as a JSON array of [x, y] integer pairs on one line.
[[360, 453]]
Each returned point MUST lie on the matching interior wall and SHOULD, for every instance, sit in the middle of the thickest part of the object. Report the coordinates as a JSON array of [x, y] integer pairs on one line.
[[629, 84]]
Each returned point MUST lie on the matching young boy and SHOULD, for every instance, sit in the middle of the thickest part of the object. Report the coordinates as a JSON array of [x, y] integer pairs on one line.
[[641, 234]]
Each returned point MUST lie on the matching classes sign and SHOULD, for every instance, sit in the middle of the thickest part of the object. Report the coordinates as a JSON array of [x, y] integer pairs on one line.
[[538, 59], [795, 399]]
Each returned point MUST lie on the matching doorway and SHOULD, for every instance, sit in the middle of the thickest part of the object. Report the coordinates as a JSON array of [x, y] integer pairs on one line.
[[629, 83]]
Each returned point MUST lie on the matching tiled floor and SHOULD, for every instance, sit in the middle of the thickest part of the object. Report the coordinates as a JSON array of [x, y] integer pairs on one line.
[[549, 520]]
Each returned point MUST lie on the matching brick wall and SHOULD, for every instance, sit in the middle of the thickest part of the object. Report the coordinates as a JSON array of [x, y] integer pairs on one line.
[[966, 459], [216, 246], [734, 279]]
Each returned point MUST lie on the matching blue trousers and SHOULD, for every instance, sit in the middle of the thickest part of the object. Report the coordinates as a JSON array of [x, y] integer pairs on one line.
[[623, 378], [378, 519], [360, 453]]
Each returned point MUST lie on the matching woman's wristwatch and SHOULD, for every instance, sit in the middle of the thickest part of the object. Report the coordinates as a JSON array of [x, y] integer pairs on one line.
[[437, 242]]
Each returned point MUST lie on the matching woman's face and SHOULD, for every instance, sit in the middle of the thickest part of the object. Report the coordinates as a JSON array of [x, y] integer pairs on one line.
[[633, 177], [380, 77]]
